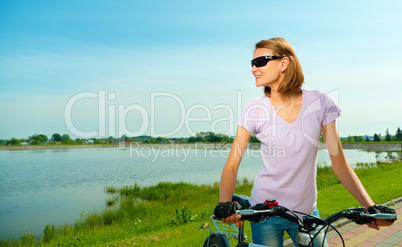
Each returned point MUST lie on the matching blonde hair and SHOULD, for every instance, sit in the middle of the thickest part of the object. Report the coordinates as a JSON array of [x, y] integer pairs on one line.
[[294, 77]]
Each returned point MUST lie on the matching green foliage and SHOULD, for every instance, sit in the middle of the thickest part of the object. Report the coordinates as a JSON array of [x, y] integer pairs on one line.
[[398, 135], [161, 140], [191, 140], [14, 141], [26, 239], [110, 190], [209, 137], [353, 139], [376, 138], [109, 216], [382, 182], [65, 139], [35, 142], [253, 139], [48, 233], [162, 191], [387, 136], [56, 137], [112, 201], [182, 216], [40, 138]]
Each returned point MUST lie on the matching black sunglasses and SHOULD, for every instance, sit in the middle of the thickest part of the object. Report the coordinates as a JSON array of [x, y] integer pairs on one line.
[[262, 61]]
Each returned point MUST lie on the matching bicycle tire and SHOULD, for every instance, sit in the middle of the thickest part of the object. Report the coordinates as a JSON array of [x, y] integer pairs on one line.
[[216, 240]]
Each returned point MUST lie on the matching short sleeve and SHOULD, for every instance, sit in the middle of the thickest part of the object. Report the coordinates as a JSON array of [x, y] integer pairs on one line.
[[331, 110], [253, 115]]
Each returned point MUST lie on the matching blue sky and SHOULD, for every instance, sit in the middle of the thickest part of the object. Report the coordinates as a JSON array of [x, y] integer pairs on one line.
[[179, 60]]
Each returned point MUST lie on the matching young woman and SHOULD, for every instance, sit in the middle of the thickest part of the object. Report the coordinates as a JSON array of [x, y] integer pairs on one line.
[[288, 120]]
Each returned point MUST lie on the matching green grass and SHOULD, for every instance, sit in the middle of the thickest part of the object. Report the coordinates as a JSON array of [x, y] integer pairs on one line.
[[177, 214]]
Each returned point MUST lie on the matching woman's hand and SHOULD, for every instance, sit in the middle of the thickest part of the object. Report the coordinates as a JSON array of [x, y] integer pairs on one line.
[[379, 222], [233, 219], [226, 212]]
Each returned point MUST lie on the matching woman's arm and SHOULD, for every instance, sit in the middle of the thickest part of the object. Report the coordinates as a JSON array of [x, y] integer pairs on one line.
[[229, 173], [345, 173]]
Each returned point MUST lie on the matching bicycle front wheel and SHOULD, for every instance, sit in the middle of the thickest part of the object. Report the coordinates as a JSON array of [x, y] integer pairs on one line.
[[216, 240]]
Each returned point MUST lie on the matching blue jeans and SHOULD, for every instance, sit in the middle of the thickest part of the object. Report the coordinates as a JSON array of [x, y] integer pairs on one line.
[[270, 232]]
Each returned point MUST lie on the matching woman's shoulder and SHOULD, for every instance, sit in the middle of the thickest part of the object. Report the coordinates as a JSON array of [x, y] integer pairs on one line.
[[324, 98], [314, 94], [262, 100]]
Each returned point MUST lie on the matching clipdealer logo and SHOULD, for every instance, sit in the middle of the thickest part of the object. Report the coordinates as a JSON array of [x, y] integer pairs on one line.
[[109, 113]]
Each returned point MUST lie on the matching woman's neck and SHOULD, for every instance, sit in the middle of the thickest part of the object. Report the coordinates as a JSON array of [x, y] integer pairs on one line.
[[286, 99]]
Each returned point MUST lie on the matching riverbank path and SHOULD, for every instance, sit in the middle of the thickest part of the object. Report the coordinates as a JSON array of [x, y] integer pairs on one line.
[[363, 236]]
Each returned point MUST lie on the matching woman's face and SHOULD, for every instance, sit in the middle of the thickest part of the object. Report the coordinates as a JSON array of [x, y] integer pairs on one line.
[[269, 75]]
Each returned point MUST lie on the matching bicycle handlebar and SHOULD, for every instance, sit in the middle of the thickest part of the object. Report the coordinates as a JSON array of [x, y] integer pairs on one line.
[[307, 223], [354, 214]]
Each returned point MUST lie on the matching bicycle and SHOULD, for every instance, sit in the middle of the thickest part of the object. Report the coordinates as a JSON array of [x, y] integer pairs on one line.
[[307, 223]]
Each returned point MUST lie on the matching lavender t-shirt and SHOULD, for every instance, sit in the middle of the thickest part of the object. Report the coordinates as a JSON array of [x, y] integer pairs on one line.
[[289, 150]]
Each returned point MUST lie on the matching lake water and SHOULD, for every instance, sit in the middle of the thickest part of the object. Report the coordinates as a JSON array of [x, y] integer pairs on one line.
[[39, 187]]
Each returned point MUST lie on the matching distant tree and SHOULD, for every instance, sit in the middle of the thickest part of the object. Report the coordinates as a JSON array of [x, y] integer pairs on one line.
[[159, 140], [97, 141], [358, 138], [65, 138], [398, 134], [210, 136], [376, 138], [367, 139], [35, 142], [191, 139], [387, 136], [201, 137], [79, 141], [42, 138], [14, 141], [56, 137]]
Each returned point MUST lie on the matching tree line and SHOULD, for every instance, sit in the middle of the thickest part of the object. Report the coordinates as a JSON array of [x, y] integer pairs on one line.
[[205, 137], [41, 139], [375, 138]]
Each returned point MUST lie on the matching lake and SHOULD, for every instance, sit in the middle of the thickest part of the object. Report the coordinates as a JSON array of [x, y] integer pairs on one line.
[[39, 187]]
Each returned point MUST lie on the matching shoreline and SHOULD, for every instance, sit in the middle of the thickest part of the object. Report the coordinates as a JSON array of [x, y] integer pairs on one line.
[[363, 146]]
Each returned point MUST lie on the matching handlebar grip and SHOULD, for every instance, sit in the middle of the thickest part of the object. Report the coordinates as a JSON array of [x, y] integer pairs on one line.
[[254, 215], [246, 212], [252, 212], [381, 216]]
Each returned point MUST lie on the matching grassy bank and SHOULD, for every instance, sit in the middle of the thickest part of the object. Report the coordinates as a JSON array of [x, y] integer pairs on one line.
[[177, 214]]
